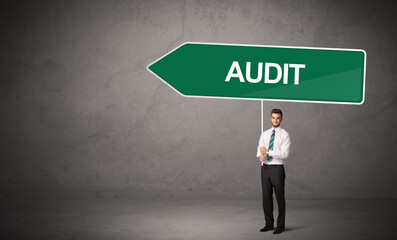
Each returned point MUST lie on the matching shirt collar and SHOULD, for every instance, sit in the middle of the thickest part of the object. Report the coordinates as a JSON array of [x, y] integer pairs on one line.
[[277, 128]]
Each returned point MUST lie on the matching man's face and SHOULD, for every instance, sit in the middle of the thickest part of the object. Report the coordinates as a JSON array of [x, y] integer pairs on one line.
[[276, 119]]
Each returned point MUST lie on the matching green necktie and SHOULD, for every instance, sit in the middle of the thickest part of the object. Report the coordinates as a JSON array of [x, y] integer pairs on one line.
[[269, 159]]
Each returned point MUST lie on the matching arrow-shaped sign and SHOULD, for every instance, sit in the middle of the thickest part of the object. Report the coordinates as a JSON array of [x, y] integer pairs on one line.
[[295, 74]]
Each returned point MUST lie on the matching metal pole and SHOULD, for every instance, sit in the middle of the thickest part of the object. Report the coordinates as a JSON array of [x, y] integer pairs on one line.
[[261, 116]]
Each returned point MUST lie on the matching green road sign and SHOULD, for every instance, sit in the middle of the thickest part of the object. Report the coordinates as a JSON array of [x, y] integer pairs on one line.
[[293, 74]]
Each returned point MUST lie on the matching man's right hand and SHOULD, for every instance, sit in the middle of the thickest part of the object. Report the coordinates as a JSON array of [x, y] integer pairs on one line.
[[263, 150], [261, 158]]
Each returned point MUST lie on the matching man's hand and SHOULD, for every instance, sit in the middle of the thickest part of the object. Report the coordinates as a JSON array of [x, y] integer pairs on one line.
[[263, 150], [261, 158]]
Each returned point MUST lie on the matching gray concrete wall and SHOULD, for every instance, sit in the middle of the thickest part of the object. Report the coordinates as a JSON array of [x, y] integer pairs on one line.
[[78, 109]]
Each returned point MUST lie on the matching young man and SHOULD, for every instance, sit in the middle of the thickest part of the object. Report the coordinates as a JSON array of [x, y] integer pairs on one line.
[[273, 149]]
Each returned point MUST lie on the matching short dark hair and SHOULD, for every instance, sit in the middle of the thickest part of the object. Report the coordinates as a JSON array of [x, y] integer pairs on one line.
[[277, 111]]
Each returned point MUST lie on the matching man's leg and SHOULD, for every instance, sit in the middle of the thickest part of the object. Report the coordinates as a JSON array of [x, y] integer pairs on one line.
[[267, 197], [278, 180]]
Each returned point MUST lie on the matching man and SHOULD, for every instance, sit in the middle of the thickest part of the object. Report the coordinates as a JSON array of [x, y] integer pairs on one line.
[[273, 149]]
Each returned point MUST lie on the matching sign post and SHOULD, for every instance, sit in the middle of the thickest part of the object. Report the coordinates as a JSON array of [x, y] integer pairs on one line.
[[256, 72]]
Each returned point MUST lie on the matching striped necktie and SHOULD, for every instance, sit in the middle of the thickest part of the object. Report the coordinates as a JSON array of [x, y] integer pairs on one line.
[[269, 159]]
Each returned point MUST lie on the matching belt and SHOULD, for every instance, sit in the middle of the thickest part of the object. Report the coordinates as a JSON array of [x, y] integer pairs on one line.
[[272, 166]]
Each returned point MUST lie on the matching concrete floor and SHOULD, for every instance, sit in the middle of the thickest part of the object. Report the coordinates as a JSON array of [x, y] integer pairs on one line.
[[175, 219]]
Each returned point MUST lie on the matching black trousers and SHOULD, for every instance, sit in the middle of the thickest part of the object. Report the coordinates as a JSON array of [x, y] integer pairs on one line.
[[273, 177]]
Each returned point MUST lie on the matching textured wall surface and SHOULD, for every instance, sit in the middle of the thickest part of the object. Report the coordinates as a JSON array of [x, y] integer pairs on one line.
[[78, 109]]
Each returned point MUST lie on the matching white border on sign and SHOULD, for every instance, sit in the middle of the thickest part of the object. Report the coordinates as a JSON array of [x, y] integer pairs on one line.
[[264, 99]]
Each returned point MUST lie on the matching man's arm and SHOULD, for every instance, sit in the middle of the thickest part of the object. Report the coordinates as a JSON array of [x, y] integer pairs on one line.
[[260, 145], [284, 152]]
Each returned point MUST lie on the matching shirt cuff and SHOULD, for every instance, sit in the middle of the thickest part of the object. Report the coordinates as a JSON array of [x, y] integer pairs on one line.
[[270, 153]]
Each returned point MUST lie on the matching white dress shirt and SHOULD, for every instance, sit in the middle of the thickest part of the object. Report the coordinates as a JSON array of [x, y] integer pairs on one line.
[[281, 145]]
